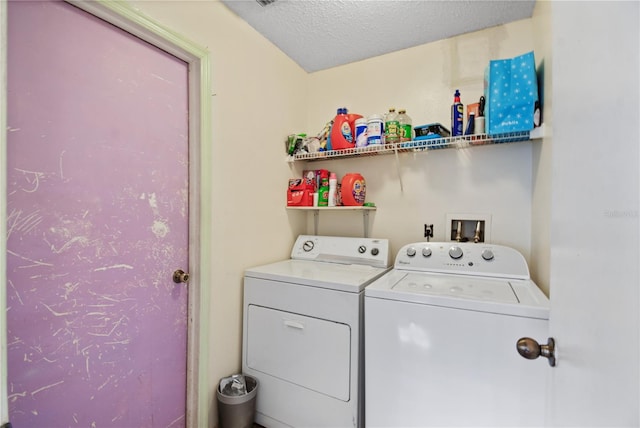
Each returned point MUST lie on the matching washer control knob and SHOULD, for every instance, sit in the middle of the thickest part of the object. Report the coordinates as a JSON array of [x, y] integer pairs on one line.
[[362, 249], [307, 246], [375, 251], [487, 255], [455, 252], [411, 251], [426, 252]]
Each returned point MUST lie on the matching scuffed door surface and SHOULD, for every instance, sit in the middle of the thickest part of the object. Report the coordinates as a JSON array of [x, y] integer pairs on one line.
[[97, 222]]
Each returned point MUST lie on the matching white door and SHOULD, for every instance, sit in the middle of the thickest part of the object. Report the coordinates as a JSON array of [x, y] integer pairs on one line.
[[594, 229]]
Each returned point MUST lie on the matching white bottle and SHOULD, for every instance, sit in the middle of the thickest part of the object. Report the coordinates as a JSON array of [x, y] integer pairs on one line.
[[333, 186], [375, 130]]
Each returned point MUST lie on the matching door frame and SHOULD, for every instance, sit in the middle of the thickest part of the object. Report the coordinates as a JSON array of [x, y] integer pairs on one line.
[[128, 19]]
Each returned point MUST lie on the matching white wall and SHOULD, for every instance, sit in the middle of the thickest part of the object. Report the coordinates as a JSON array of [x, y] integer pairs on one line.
[[493, 179]]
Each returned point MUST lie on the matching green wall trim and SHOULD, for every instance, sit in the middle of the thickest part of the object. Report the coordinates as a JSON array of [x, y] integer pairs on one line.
[[4, 402]]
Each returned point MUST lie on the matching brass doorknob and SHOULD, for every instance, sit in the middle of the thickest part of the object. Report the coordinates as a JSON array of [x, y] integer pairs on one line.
[[180, 276], [530, 349]]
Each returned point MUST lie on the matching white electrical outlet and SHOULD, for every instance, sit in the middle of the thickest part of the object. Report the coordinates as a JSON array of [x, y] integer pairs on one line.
[[468, 227]]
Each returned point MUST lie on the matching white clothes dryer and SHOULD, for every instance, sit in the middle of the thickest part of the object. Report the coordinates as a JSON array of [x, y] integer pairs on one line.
[[440, 339], [303, 331]]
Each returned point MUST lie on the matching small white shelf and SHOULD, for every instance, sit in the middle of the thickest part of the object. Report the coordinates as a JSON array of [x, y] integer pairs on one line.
[[316, 214]]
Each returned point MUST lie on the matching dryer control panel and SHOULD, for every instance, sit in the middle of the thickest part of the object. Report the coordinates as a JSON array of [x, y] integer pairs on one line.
[[463, 258], [343, 250]]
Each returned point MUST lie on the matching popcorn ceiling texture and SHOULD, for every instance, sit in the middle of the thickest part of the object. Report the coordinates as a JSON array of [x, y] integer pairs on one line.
[[321, 34]]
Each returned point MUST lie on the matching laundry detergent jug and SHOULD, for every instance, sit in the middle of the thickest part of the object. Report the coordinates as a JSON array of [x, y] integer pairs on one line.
[[353, 189], [343, 130]]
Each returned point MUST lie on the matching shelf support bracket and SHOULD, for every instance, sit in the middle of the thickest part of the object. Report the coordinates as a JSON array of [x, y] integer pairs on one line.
[[365, 220], [316, 217], [398, 170]]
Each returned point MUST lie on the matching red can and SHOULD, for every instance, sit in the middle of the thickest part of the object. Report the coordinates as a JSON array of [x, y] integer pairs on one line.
[[353, 189]]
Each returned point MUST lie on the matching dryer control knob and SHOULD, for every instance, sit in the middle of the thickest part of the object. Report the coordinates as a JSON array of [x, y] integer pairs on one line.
[[362, 249], [426, 252], [375, 251], [411, 251], [455, 252], [307, 246], [487, 255]]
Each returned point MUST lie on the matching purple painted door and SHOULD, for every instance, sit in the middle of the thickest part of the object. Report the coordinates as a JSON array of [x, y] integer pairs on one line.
[[97, 223]]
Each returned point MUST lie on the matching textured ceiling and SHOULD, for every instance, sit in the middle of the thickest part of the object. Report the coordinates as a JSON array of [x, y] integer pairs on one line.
[[320, 34]]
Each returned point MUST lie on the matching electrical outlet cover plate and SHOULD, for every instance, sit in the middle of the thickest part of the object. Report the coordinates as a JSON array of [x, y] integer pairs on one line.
[[469, 220]]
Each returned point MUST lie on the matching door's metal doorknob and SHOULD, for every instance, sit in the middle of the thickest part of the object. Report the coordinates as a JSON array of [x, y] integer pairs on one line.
[[530, 349], [180, 276]]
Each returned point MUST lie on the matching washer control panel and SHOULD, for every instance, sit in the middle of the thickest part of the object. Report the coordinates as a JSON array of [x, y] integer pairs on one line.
[[344, 250], [463, 258]]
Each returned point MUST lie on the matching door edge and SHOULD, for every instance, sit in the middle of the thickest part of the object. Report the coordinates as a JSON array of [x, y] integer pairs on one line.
[[4, 401]]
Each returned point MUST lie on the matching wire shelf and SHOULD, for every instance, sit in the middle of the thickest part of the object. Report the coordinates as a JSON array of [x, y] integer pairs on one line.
[[457, 142]]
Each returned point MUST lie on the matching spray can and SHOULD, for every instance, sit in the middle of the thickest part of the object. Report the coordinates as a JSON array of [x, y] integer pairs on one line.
[[457, 113]]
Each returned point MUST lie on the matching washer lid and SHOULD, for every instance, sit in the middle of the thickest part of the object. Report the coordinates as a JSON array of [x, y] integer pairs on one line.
[[506, 296], [463, 287], [343, 277]]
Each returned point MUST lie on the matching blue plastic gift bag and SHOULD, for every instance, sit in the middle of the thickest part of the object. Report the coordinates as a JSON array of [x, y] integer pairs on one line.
[[511, 92]]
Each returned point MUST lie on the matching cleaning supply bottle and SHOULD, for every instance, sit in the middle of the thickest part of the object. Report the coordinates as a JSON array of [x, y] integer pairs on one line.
[[341, 134], [333, 185], [457, 113], [479, 125], [353, 189], [323, 193], [470, 124], [361, 132], [375, 130], [404, 123], [391, 132]]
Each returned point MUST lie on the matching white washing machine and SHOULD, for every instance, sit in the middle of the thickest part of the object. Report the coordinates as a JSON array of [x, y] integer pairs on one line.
[[440, 339], [303, 331]]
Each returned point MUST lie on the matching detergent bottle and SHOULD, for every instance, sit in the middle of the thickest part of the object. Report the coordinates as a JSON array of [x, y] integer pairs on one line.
[[341, 135], [353, 189]]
